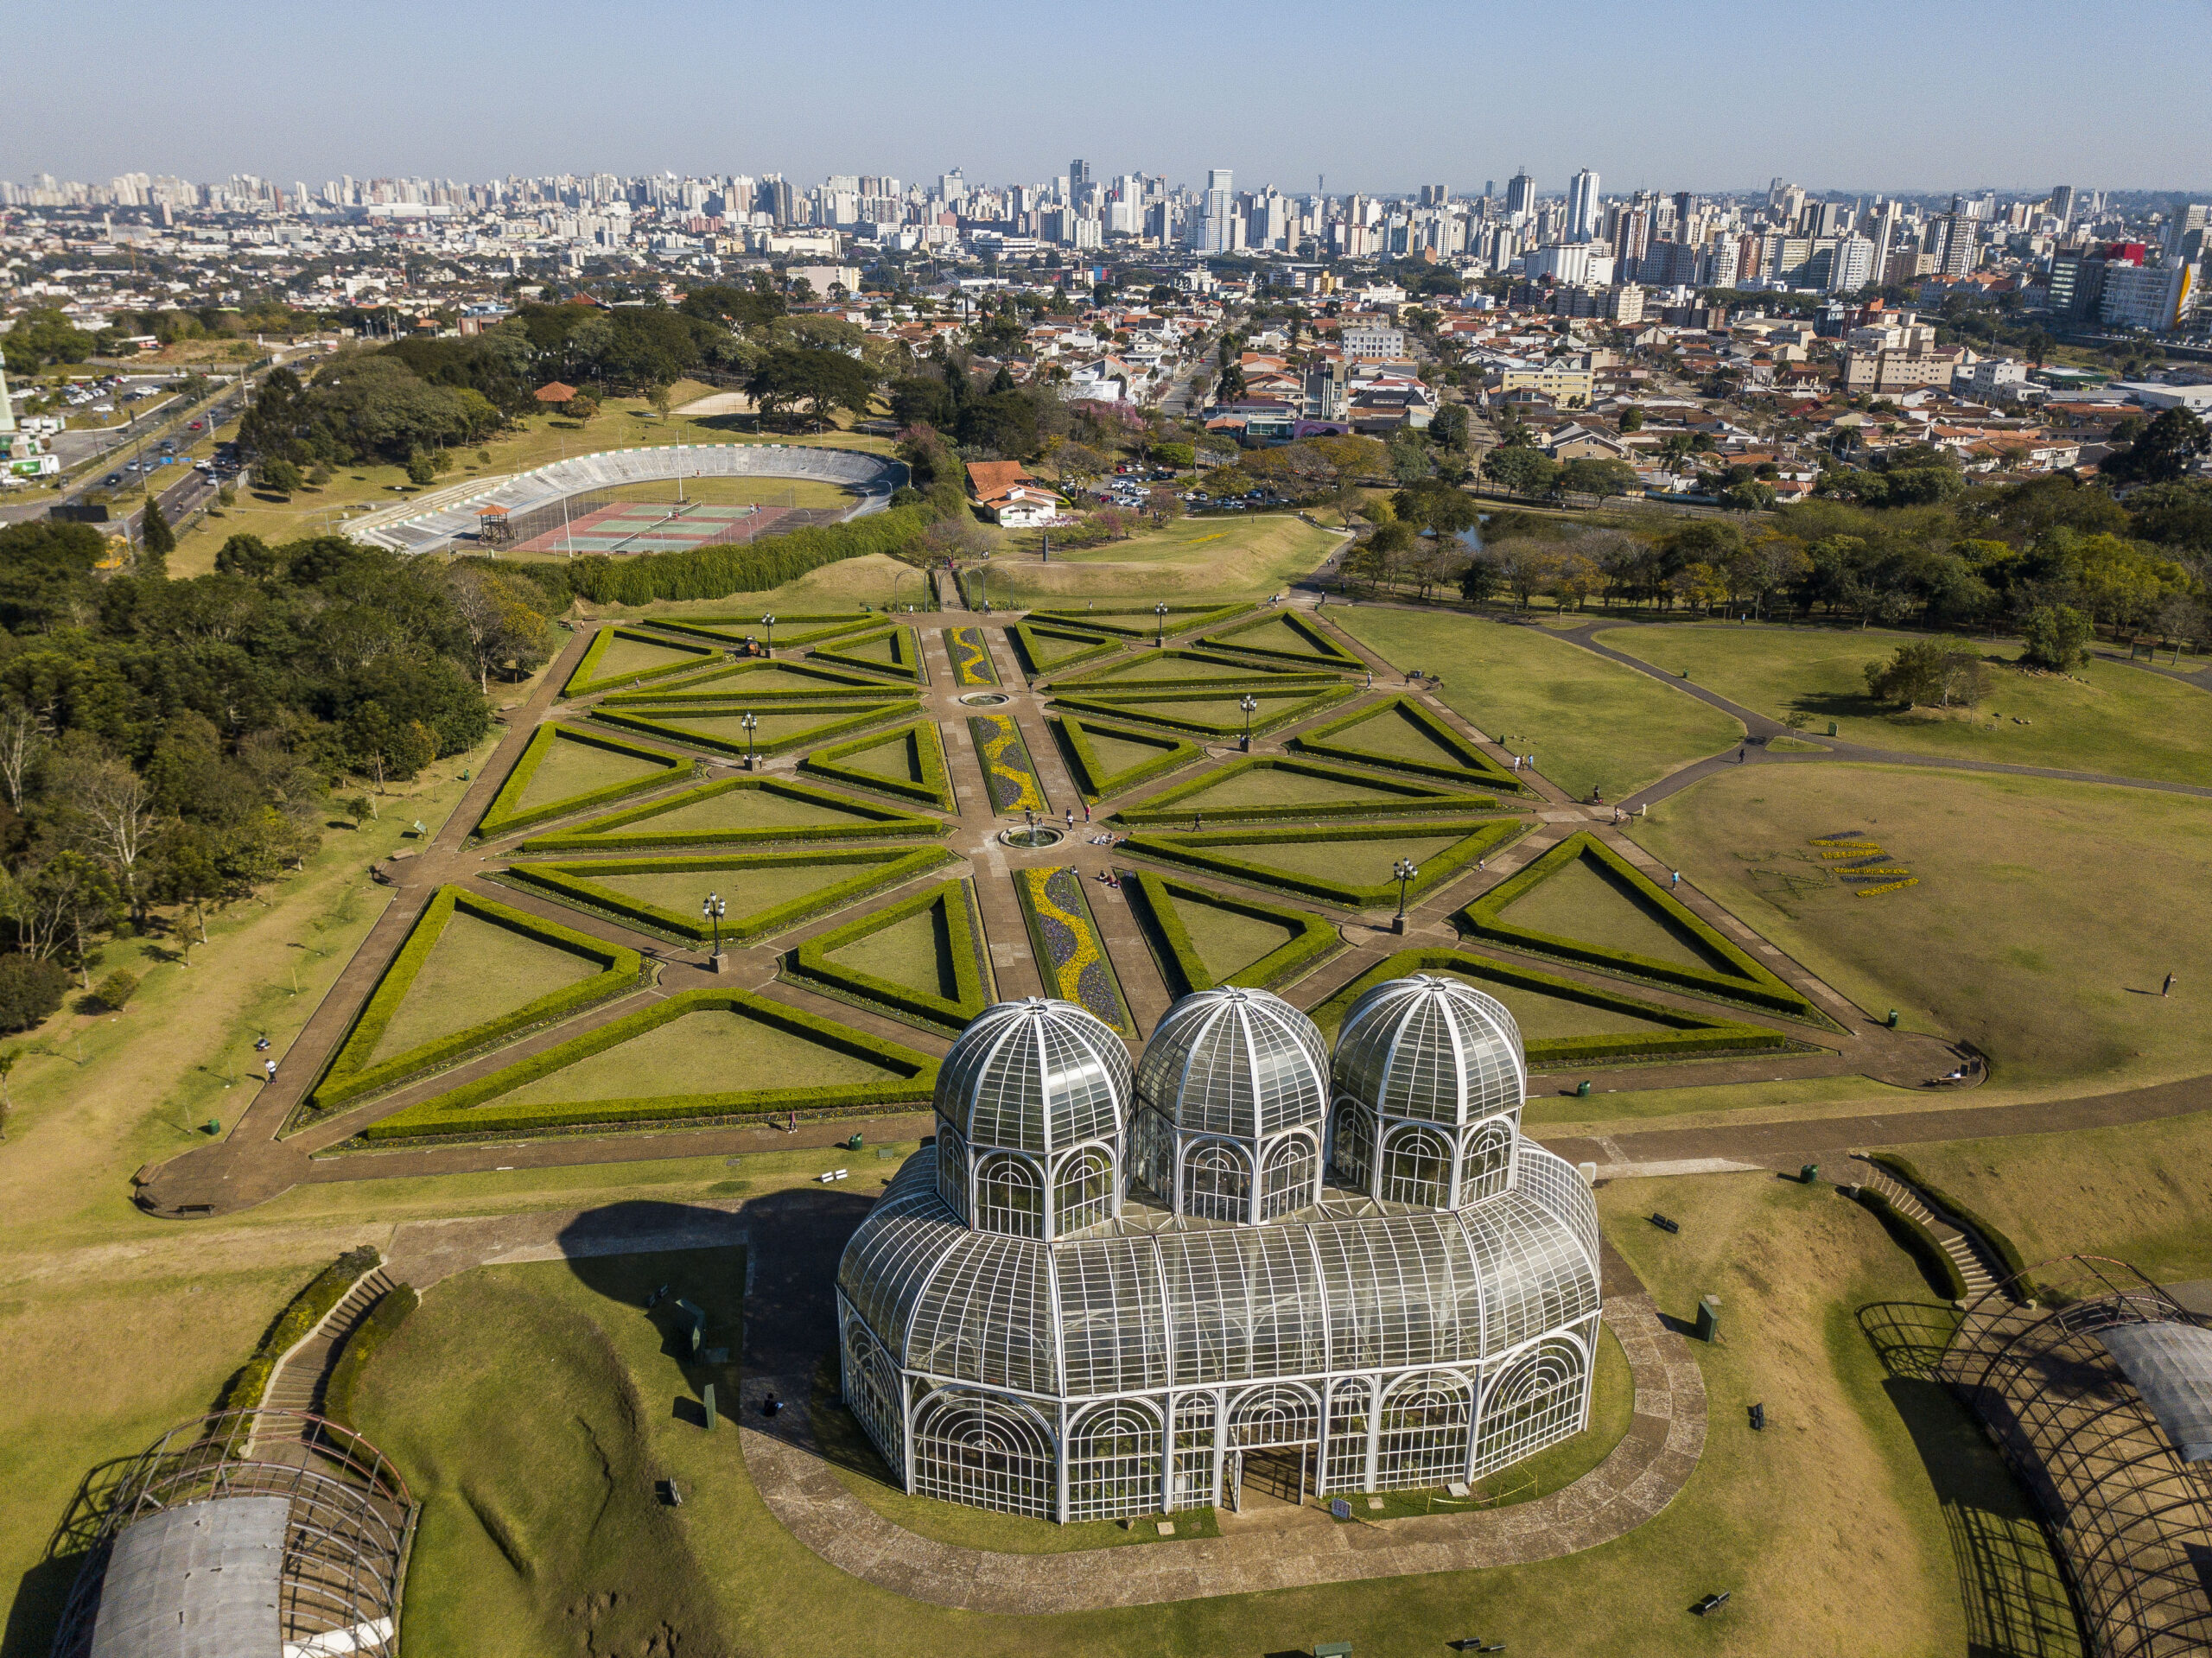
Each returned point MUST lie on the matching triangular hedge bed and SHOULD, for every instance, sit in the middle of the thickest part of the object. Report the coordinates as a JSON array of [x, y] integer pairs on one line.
[[472, 1110], [1095, 778], [788, 630], [895, 650], [1175, 669], [1036, 642], [1240, 854], [1688, 1034], [351, 1074], [1308, 643], [593, 676], [842, 817], [950, 909], [1455, 756], [1182, 963], [1179, 710], [1381, 797], [926, 781], [506, 813], [1143, 621], [742, 682], [1731, 973], [583, 884], [823, 722]]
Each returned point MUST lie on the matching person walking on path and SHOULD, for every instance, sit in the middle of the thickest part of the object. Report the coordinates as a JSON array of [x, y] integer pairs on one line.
[[1071, 820], [1675, 884], [1741, 752], [1086, 812], [270, 1066], [2166, 989]]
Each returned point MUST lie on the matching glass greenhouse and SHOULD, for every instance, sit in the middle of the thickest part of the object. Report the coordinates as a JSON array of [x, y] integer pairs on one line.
[[1241, 1267]]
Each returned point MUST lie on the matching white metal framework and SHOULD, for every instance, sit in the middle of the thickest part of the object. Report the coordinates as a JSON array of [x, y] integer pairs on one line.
[[1102, 1295]]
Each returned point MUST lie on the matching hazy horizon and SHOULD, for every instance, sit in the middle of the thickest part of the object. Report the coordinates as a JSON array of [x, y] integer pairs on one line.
[[1883, 97]]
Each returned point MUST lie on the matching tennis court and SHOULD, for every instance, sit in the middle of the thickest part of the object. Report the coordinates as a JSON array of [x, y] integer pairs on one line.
[[658, 527]]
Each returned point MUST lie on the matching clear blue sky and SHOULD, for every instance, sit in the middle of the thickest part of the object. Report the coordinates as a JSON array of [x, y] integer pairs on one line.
[[1867, 96]]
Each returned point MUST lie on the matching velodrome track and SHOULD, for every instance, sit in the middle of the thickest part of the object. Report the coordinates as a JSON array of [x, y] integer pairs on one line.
[[454, 521]]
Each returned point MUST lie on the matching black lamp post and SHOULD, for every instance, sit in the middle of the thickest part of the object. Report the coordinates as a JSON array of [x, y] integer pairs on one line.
[[713, 911], [1159, 632], [769, 622], [1250, 704], [1407, 872], [749, 721]]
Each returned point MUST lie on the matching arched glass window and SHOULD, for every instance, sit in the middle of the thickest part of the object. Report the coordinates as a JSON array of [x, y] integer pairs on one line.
[[986, 1452], [1424, 1430], [1009, 1197], [1287, 1180], [1195, 1418], [1084, 1195], [1537, 1400], [1114, 1463], [1349, 1402], [1216, 1182], [1417, 1168], [952, 1168], [1487, 1163], [1152, 1155], [872, 1390], [1351, 1144]]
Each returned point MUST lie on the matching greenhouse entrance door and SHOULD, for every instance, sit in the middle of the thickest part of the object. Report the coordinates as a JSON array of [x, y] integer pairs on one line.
[[1281, 1473]]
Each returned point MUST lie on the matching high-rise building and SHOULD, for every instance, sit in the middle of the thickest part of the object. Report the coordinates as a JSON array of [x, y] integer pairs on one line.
[[1956, 251], [1215, 233], [1520, 192], [2152, 296], [2062, 204], [1078, 175], [1852, 265], [1582, 206]]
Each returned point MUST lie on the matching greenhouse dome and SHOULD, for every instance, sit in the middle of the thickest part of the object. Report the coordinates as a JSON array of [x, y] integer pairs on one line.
[[1064, 1310]]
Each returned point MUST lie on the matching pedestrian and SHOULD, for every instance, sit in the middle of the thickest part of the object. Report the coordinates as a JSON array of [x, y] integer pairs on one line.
[[1071, 820], [2167, 989], [1741, 752], [1676, 882], [1086, 812], [269, 1066]]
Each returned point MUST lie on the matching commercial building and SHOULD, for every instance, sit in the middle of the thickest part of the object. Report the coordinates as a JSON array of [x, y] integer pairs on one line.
[[2156, 297], [1103, 1293], [1371, 342]]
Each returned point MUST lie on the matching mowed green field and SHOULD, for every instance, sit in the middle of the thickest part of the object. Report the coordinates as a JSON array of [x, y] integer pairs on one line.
[[541, 1528], [1590, 723], [1241, 557], [571, 767], [477, 970], [2111, 719], [2046, 916]]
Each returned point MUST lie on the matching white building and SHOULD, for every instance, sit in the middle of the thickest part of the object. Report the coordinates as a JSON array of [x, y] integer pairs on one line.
[[2156, 297]]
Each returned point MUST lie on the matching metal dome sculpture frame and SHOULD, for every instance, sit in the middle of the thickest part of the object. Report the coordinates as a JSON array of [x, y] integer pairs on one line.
[[2083, 1415], [1159, 1356]]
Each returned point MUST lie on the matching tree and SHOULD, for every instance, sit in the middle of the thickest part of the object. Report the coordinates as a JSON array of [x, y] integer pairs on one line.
[[1524, 565], [156, 538], [1632, 419], [111, 810], [1521, 468], [30, 990], [249, 557], [2167, 451], [501, 623], [1447, 429], [1478, 581], [419, 470], [1930, 673], [277, 475], [788, 376], [1163, 503], [1436, 507], [1599, 478], [23, 738], [2058, 639], [383, 746]]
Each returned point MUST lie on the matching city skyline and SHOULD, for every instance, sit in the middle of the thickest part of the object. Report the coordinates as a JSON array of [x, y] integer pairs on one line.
[[887, 93]]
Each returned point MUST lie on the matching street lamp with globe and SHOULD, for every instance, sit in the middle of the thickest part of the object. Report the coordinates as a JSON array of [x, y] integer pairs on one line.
[[1159, 632], [1407, 870], [712, 912], [750, 721], [1250, 704], [769, 622]]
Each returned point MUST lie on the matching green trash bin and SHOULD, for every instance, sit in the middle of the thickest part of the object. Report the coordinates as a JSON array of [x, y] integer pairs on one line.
[[1582, 1090], [1809, 1173], [1708, 1318], [853, 1144], [1892, 1021]]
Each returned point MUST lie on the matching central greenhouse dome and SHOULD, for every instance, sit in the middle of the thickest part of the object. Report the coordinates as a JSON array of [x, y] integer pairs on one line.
[[1106, 1293]]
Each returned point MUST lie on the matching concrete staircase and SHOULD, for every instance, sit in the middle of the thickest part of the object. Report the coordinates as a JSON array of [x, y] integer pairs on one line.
[[300, 1380], [1979, 1273]]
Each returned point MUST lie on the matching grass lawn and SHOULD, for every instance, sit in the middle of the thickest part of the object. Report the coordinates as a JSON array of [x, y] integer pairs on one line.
[[1228, 941], [1195, 558], [2140, 1192], [1356, 863], [2046, 914], [762, 887], [1590, 723], [1860, 1488], [916, 952], [477, 970], [1579, 903], [1716, 1105], [739, 809], [897, 758], [713, 1049], [629, 655], [572, 767], [776, 725], [2113, 718], [1157, 665], [1262, 785]]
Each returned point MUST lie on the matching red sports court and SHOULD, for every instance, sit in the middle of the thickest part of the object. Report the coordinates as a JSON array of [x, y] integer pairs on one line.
[[663, 527]]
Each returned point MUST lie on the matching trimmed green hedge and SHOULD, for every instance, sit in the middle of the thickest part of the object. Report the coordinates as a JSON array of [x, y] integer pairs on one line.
[[1249, 676], [905, 654], [1180, 962], [250, 1385], [721, 571], [874, 868], [935, 788], [581, 682], [1195, 849], [351, 1075], [1027, 637], [1741, 979], [1324, 648], [1298, 704], [463, 1112], [811, 960], [607, 833], [1143, 623], [1319, 741], [736, 630], [1687, 1033], [1090, 773], [383, 1323], [836, 682], [2000, 1242], [858, 716], [501, 818], [1916, 1241], [1417, 798]]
